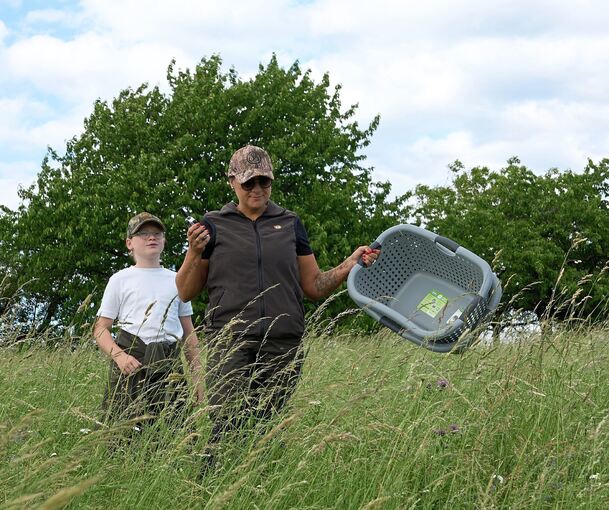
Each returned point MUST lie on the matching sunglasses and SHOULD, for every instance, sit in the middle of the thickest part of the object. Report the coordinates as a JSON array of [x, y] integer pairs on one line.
[[265, 182]]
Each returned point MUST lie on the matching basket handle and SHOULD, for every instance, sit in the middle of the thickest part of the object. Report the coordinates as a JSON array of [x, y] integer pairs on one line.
[[429, 342], [393, 326], [375, 245], [452, 247], [395, 322], [447, 243]]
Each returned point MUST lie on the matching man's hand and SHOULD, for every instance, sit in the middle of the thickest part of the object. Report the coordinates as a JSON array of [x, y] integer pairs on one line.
[[198, 237], [370, 255], [367, 254]]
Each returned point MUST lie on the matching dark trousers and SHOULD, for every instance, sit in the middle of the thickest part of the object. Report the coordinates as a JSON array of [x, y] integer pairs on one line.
[[249, 379], [157, 385]]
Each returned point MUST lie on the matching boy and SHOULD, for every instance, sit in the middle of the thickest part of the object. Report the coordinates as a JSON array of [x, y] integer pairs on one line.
[[144, 301]]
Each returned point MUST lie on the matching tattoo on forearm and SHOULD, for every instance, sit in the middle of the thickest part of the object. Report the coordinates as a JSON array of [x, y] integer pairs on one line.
[[328, 281]]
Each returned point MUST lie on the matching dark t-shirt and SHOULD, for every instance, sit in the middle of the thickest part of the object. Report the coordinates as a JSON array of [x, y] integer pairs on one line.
[[303, 246]]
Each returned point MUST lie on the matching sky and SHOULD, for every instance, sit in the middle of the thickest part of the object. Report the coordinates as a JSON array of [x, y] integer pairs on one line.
[[475, 80]]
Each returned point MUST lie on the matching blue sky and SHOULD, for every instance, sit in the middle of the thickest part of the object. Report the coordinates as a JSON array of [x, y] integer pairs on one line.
[[476, 80]]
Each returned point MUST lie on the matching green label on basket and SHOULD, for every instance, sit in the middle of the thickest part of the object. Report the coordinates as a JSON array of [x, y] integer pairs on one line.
[[433, 303]]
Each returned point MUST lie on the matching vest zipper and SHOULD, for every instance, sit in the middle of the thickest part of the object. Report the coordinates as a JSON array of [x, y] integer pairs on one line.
[[261, 305]]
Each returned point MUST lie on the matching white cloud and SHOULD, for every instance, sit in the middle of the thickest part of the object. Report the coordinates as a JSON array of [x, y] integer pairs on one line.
[[240, 31], [11, 3], [31, 124], [469, 79], [87, 67], [3, 31], [47, 16], [15, 175], [12, 109], [444, 21], [473, 75], [542, 134]]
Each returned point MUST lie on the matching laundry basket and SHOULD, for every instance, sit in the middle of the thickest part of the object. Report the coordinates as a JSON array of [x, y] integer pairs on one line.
[[426, 288]]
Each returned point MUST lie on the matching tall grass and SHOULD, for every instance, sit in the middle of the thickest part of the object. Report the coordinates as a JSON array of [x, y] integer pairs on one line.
[[375, 423]]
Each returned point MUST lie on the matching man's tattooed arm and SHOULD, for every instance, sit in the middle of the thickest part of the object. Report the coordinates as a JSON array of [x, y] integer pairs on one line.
[[319, 285], [328, 281]]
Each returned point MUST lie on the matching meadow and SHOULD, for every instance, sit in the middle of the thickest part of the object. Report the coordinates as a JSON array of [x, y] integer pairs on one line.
[[376, 422]]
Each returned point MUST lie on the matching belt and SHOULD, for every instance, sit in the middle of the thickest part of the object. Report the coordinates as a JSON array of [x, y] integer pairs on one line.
[[147, 354]]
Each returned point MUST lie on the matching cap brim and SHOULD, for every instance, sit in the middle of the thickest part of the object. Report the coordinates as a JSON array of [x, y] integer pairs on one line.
[[250, 175], [158, 223]]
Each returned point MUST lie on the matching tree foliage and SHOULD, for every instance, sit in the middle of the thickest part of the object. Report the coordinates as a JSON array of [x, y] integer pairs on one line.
[[155, 151], [548, 235]]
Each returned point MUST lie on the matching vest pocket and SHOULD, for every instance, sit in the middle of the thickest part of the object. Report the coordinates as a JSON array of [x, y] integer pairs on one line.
[[213, 307]]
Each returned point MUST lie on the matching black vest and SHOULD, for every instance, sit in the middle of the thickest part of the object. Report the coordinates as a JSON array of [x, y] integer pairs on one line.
[[253, 273]]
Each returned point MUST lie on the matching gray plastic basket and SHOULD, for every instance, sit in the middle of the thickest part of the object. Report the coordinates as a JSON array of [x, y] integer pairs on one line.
[[426, 288]]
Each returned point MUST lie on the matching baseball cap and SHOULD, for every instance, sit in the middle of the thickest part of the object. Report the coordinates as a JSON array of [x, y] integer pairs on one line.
[[138, 220], [248, 162]]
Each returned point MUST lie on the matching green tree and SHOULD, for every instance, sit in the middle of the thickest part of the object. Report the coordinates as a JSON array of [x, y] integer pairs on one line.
[[548, 235], [147, 150]]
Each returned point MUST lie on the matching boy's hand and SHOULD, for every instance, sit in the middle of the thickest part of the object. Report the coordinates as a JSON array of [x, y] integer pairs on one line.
[[126, 363]]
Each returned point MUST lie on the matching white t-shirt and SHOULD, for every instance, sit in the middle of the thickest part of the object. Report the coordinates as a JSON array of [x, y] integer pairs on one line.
[[145, 303]]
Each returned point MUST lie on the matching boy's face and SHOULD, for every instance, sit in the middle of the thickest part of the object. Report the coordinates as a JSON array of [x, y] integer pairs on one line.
[[148, 241]]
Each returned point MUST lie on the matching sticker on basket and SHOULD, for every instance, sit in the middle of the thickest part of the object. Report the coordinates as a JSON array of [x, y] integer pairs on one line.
[[433, 303], [454, 316]]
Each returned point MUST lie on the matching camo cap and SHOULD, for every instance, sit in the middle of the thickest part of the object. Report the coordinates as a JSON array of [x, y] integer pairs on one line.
[[248, 162], [138, 220]]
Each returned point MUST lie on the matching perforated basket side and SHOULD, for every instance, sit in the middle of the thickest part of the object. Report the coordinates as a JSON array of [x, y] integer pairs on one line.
[[405, 253], [407, 250], [477, 315]]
